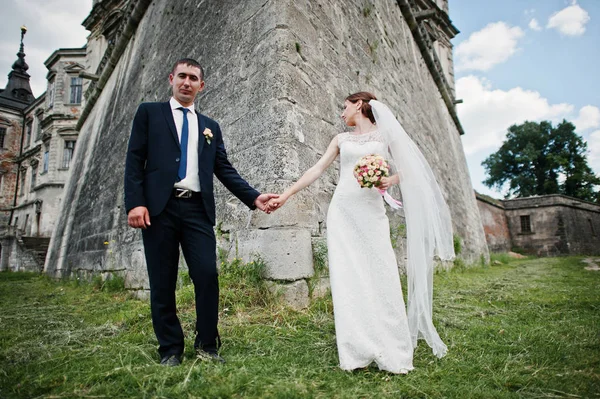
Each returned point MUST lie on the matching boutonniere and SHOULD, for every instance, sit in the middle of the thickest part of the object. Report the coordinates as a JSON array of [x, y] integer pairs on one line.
[[207, 135]]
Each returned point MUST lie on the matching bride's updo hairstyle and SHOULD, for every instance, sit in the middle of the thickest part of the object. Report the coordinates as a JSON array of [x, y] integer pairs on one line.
[[365, 96]]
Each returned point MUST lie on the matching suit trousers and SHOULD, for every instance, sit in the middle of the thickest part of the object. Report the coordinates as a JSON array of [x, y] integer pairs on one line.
[[184, 222]]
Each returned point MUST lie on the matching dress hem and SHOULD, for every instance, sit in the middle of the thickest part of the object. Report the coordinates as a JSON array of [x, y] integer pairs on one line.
[[401, 371]]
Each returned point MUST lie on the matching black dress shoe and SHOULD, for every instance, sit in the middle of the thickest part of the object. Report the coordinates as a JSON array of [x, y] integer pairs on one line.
[[171, 360], [210, 355]]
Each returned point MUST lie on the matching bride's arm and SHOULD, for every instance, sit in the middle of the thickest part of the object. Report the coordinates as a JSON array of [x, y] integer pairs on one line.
[[387, 182], [311, 174]]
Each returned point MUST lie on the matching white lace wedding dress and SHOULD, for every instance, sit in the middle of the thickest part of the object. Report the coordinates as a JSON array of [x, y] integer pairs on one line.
[[370, 316]]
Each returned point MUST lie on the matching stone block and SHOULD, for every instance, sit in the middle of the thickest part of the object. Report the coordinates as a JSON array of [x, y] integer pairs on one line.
[[294, 295], [321, 287], [137, 277], [286, 252]]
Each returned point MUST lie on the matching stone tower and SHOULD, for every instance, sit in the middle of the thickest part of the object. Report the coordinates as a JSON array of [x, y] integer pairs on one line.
[[276, 74], [14, 99]]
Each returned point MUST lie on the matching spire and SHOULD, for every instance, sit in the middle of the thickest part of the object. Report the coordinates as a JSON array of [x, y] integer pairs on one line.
[[20, 65], [18, 90]]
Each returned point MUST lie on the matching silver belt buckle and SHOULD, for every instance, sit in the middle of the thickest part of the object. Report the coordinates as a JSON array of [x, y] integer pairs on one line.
[[183, 193]]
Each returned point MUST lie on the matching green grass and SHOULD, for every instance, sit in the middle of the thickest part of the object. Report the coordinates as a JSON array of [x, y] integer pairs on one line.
[[530, 328]]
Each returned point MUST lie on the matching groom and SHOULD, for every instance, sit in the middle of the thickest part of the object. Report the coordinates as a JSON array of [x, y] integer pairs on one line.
[[172, 155]]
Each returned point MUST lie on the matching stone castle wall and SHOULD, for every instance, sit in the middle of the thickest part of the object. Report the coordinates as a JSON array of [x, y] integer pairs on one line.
[[276, 75]]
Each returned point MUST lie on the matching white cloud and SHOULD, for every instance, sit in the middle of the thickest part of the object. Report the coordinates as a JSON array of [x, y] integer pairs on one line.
[[487, 113], [492, 45], [593, 143], [530, 11], [569, 21], [589, 118], [534, 25]]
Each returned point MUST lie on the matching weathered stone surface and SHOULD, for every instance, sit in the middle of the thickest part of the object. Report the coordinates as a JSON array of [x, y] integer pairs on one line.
[[16, 257], [293, 294], [287, 253], [276, 75], [559, 225], [136, 276], [321, 287]]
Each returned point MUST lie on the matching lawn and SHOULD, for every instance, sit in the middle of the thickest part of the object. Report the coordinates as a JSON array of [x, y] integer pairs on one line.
[[529, 328]]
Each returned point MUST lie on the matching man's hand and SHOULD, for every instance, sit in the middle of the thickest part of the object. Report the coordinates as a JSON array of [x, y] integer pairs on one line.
[[139, 217], [262, 200]]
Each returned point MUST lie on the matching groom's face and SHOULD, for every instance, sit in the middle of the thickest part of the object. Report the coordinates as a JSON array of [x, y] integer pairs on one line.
[[186, 82]]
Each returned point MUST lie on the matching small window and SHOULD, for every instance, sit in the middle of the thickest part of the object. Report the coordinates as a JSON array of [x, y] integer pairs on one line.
[[33, 176], [2, 136], [76, 88], [23, 176], [38, 129], [68, 153], [28, 130], [50, 95], [46, 160], [525, 224]]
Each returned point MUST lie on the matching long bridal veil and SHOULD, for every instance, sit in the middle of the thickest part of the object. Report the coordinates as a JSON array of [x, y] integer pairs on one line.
[[428, 225]]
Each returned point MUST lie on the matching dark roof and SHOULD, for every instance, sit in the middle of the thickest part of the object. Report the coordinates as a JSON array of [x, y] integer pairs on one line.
[[18, 94]]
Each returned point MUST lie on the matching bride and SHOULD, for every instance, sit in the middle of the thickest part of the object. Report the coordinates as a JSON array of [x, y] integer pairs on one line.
[[371, 321]]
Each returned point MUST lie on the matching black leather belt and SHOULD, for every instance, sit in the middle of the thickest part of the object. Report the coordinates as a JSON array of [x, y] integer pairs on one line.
[[183, 193]]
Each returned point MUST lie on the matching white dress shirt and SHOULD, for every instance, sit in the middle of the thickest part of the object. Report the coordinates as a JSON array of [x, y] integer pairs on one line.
[[191, 180]]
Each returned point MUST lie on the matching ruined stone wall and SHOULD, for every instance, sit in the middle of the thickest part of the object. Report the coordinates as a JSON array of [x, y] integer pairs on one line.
[[15, 257], [495, 225], [548, 235], [277, 73], [560, 225]]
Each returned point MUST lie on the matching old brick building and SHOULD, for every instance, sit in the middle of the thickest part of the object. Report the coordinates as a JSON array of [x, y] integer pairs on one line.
[[38, 139], [14, 100]]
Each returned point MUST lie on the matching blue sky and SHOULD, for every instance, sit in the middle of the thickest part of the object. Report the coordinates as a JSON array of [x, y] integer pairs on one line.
[[518, 60]]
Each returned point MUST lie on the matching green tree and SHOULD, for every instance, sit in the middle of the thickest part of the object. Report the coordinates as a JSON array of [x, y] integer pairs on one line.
[[533, 157]]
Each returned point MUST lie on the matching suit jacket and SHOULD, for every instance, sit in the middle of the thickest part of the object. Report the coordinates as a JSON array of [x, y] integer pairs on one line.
[[153, 158]]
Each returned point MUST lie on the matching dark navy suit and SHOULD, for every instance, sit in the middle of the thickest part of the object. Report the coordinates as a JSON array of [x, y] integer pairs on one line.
[[151, 167]]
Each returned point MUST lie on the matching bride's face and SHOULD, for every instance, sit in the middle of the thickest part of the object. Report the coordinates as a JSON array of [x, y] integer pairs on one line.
[[351, 112]]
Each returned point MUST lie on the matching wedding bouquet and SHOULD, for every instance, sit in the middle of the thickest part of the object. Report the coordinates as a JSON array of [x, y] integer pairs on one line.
[[369, 171]]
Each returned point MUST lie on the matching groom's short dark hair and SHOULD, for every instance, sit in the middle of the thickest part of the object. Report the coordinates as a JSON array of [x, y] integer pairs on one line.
[[189, 62]]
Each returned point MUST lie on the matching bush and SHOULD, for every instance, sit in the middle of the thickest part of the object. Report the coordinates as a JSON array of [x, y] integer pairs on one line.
[[457, 244]]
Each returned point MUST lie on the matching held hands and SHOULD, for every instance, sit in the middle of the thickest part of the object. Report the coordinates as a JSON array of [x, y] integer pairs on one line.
[[263, 202], [277, 203], [138, 217]]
